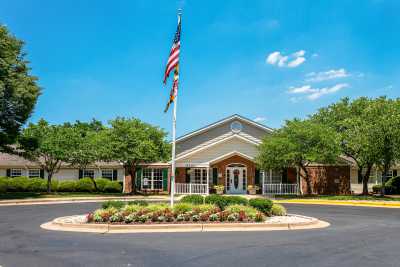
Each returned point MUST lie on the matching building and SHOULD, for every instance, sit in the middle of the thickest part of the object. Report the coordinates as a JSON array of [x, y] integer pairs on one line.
[[220, 154]]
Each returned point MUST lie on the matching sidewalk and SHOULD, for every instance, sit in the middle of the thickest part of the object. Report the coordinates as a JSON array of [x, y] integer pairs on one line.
[[359, 203]]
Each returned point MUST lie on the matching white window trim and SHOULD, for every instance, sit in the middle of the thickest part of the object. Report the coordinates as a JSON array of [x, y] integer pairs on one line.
[[91, 170], [203, 175], [33, 176], [13, 170], [112, 174], [152, 179]]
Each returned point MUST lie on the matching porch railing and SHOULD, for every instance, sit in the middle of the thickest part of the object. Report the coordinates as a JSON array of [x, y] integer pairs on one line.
[[191, 189], [280, 189]]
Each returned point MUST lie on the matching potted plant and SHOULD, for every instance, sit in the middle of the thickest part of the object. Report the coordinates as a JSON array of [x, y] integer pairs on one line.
[[219, 189], [252, 189]]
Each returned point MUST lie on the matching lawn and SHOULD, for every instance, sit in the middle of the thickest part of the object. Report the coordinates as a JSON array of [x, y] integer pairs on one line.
[[26, 195]]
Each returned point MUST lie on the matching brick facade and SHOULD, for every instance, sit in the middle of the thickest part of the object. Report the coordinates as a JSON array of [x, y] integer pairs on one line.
[[221, 167]]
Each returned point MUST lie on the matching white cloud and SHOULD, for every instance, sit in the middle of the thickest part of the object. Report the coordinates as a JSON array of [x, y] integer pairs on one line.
[[290, 61], [315, 93], [260, 119], [326, 75]]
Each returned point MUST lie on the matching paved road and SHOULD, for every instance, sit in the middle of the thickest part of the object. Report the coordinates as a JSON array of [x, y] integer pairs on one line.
[[358, 236]]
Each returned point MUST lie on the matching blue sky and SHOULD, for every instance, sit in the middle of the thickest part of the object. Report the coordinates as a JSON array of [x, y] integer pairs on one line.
[[268, 60]]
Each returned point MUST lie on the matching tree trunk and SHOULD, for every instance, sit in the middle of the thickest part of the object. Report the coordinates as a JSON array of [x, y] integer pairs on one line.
[[132, 170], [95, 185], [386, 168], [365, 180], [49, 176]]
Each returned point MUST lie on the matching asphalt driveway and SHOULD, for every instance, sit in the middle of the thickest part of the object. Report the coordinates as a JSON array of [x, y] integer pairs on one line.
[[358, 236]]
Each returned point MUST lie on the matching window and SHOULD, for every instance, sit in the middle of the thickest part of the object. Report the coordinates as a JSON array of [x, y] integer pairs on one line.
[[244, 178], [200, 176], [34, 173], [273, 176], [16, 173], [88, 173], [152, 179], [108, 174]]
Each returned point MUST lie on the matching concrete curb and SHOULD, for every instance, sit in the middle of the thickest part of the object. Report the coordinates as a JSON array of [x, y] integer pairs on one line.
[[359, 203], [67, 224]]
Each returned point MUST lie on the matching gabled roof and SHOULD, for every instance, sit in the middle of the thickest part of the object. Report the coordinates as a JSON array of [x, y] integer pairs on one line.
[[230, 118]]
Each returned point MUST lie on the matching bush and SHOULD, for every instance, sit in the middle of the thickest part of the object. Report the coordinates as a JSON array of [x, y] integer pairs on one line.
[[37, 185], [85, 185], [18, 184], [377, 188], [3, 185], [224, 201], [262, 204], [250, 212], [67, 186], [142, 203], [193, 199], [392, 186], [180, 208], [278, 210], [101, 183], [114, 204], [113, 187]]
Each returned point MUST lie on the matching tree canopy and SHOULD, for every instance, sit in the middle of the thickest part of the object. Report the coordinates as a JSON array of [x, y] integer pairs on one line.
[[297, 144], [18, 89]]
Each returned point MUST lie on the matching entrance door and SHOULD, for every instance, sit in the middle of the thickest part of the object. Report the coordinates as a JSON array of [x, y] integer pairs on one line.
[[236, 178]]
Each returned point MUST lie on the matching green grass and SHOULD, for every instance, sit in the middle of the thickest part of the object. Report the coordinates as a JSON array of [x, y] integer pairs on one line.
[[353, 197], [26, 195]]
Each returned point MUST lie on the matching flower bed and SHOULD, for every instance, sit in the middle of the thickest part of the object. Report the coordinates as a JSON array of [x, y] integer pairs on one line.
[[116, 212]]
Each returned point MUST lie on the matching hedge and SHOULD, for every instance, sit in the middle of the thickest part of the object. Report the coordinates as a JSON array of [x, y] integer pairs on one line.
[[224, 201], [38, 185]]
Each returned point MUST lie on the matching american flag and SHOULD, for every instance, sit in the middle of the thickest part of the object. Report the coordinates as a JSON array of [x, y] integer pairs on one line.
[[173, 63]]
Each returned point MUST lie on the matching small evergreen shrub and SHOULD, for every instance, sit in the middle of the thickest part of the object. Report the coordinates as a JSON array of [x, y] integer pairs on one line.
[[3, 185], [85, 185], [278, 210], [18, 184], [392, 186], [117, 204], [193, 199], [67, 186], [224, 201], [101, 183], [180, 208], [142, 203], [112, 187], [37, 185], [262, 204]]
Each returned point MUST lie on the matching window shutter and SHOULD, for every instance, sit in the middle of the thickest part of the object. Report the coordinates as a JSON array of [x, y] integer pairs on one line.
[[80, 174], [138, 179], [187, 175], [215, 176], [257, 177], [8, 172], [115, 175], [284, 175], [165, 179], [394, 173], [41, 173]]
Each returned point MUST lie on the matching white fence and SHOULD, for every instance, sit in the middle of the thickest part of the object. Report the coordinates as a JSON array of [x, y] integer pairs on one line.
[[191, 189], [280, 189]]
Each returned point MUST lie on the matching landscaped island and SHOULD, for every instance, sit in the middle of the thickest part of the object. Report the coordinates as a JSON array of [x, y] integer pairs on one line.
[[191, 209]]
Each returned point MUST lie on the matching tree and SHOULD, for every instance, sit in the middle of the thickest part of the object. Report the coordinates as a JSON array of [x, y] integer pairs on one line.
[[131, 141], [363, 127], [48, 145], [18, 89], [298, 143], [86, 148]]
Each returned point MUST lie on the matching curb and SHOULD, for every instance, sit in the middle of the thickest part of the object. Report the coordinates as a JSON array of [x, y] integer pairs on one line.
[[359, 203], [66, 224]]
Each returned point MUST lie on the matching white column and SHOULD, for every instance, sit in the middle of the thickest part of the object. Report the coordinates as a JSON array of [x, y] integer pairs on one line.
[[208, 181]]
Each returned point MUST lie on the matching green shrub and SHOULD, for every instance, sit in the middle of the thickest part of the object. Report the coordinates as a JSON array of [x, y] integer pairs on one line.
[[3, 185], [156, 207], [224, 201], [85, 185], [392, 186], [18, 184], [67, 186], [101, 183], [207, 208], [113, 204], [250, 212], [278, 210], [180, 208], [262, 204], [54, 185], [131, 208], [377, 188], [193, 199], [113, 187], [37, 185], [142, 203]]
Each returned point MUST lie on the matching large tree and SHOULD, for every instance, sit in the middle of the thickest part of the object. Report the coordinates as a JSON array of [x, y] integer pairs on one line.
[[18, 89], [297, 144], [367, 131], [48, 145], [131, 142], [86, 144]]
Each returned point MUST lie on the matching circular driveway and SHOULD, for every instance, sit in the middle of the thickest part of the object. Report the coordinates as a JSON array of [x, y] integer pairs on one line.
[[358, 236]]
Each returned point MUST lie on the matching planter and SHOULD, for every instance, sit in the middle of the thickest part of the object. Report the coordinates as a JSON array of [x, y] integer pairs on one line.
[[219, 191], [252, 191]]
